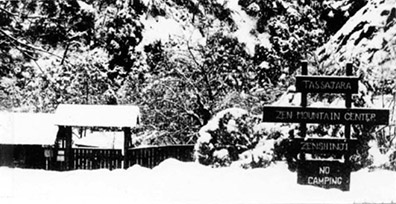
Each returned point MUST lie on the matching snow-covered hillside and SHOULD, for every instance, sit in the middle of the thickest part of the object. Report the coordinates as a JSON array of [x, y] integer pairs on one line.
[[177, 182], [367, 39]]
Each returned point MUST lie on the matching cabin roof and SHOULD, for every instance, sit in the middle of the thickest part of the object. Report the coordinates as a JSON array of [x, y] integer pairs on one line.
[[27, 128], [97, 115]]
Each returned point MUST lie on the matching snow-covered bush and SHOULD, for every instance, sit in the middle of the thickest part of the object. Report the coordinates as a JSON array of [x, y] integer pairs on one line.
[[235, 137]]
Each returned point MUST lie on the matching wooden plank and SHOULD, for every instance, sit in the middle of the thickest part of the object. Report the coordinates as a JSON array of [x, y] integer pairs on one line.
[[104, 159], [78, 158], [304, 100], [139, 157], [89, 159], [114, 160], [145, 156], [151, 158], [320, 145], [127, 139], [132, 157], [110, 160], [325, 115], [348, 104], [327, 84], [67, 131], [325, 174]]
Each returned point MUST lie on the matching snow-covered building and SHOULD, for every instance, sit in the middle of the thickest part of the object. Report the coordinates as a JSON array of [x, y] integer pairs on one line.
[[109, 146], [25, 139]]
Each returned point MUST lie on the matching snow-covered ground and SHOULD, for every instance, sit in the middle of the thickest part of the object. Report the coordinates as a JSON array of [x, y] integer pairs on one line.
[[178, 182]]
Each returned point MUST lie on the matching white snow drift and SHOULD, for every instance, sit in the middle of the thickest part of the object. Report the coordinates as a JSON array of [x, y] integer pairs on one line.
[[178, 182]]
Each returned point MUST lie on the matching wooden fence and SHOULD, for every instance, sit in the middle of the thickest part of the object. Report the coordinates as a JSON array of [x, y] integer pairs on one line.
[[152, 156], [97, 159], [90, 158]]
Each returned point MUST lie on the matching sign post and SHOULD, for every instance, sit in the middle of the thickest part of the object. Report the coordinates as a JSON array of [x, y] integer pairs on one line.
[[325, 173]]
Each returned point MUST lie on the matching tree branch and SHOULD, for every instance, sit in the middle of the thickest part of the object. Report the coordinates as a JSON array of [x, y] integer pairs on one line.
[[27, 45], [15, 15], [9, 13], [204, 73], [188, 112]]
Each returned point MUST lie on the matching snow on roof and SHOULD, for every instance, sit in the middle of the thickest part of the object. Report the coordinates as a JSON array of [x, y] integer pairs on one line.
[[97, 115], [27, 128]]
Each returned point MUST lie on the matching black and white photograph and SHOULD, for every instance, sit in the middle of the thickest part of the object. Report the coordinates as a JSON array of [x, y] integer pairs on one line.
[[198, 101]]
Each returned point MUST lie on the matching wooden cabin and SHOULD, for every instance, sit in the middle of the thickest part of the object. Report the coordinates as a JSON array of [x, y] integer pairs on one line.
[[26, 139]]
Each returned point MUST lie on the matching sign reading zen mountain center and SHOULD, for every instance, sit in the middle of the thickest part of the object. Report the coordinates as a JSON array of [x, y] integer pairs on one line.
[[326, 115], [325, 172]]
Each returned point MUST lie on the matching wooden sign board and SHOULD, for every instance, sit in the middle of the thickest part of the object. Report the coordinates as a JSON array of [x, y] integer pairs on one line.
[[327, 84], [325, 174], [319, 145], [326, 115]]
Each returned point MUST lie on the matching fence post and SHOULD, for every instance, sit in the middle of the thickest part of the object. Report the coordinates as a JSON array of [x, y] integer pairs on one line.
[[127, 141], [67, 131]]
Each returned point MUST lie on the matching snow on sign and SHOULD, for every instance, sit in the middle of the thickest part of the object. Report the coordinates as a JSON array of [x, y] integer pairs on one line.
[[324, 173]]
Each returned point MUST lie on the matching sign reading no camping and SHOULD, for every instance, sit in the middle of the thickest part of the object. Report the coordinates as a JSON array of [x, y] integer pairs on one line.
[[325, 115], [325, 174], [327, 84]]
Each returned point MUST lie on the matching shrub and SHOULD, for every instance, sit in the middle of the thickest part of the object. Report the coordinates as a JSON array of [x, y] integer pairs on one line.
[[235, 137]]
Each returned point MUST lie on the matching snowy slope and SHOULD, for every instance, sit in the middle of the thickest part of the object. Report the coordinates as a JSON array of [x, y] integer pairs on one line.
[[368, 39], [177, 182]]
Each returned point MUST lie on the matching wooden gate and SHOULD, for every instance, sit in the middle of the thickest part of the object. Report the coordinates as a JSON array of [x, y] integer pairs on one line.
[[88, 158], [97, 159]]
